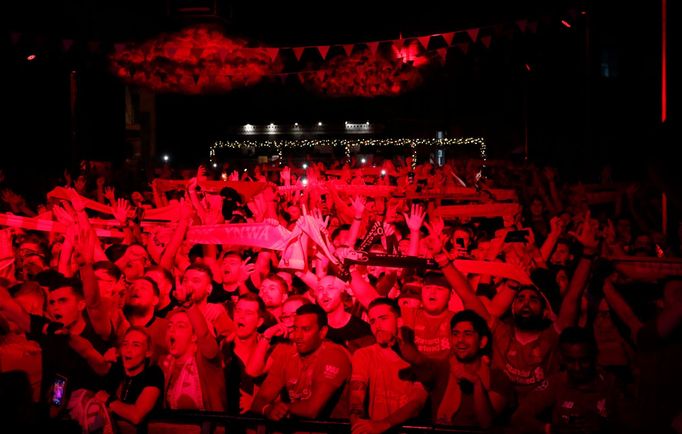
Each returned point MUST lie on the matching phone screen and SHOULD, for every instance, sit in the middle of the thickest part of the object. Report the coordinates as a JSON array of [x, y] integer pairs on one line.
[[58, 390]]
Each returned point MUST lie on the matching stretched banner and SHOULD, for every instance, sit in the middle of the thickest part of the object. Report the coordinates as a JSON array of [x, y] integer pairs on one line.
[[647, 269], [36, 224], [263, 235], [466, 193], [246, 189], [488, 210]]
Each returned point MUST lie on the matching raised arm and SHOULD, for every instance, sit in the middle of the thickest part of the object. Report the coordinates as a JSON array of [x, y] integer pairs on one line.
[[570, 305], [620, 307]]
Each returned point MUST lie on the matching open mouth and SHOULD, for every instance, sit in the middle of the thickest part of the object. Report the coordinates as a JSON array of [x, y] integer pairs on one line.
[[58, 317]]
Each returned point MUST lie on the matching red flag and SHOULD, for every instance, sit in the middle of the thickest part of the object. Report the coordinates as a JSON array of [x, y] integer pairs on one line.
[[298, 51], [348, 48], [449, 37], [424, 40], [473, 34], [373, 47], [196, 78], [320, 75], [485, 40], [323, 49], [272, 53], [522, 24], [222, 54]]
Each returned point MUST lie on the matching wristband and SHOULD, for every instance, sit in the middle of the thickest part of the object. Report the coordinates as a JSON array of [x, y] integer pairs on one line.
[[514, 287], [265, 408], [357, 218]]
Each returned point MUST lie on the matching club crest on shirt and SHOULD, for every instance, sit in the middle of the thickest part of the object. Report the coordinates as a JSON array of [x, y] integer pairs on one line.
[[330, 371]]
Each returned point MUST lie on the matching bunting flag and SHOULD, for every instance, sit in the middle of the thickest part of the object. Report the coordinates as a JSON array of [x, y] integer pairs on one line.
[[424, 41], [348, 48], [463, 47], [298, 52], [473, 34], [222, 54], [448, 37], [373, 47], [323, 49], [272, 53], [196, 78], [522, 25], [486, 40]]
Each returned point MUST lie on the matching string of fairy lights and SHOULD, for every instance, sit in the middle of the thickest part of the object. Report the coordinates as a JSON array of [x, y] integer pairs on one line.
[[348, 145]]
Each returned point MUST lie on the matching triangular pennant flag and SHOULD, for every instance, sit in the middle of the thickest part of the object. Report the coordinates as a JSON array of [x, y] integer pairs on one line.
[[197, 51], [171, 50], [298, 52], [323, 49], [320, 75], [272, 53], [196, 77], [442, 53], [373, 47], [464, 46], [448, 37], [301, 78], [348, 48], [532, 26], [424, 41], [118, 47], [67, 44], [14, 37], [522, 24], [485, 40], [473, 34]]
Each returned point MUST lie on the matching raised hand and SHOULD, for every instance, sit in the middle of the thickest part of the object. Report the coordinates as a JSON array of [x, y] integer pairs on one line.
[[436, 227], [63, 215], [285, 175], [358, 205], [80, 184], [110, 194], [201, 174], [85, 247], [416, 218], [120, 211]]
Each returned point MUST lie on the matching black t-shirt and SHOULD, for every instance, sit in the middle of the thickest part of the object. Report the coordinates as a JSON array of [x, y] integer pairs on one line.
[[163, 312], [355, 334], [128, 389], [236, 379], [58, 358]]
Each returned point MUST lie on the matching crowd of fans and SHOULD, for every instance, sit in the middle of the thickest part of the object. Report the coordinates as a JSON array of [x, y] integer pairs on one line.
[[496, 299]]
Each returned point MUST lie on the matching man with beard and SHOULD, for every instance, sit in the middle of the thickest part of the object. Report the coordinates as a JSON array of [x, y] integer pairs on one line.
[[344, 328], [525, 349], [430, 323], [134, 385], [313, 376], [376, 370], [141, 302], [580, 399]]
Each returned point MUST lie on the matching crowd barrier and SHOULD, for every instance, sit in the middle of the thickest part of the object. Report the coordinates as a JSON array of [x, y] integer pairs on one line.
[[202, 422]]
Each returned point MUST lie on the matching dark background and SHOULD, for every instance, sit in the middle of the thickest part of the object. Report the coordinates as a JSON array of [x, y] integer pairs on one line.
[[593, 94]]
